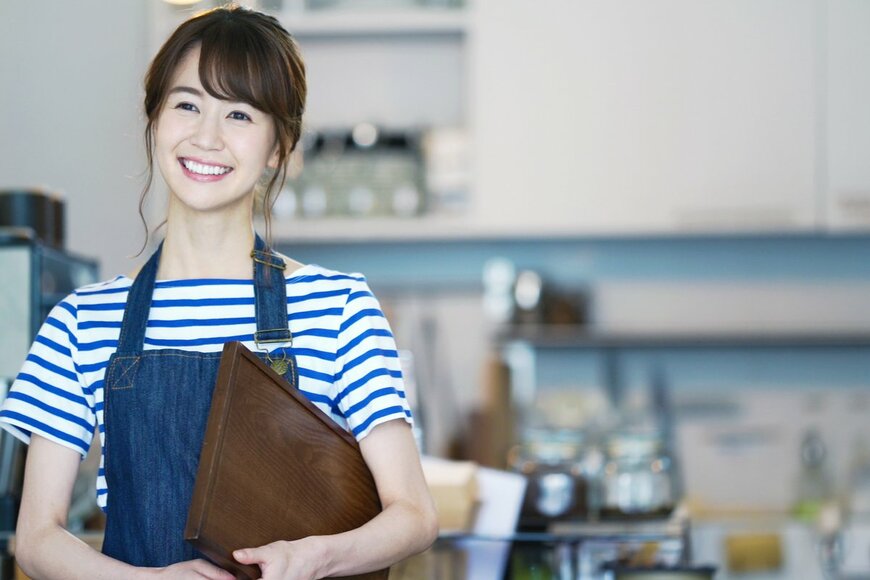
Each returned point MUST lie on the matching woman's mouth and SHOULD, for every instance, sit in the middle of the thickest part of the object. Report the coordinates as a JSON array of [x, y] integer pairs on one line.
[[203, 171]]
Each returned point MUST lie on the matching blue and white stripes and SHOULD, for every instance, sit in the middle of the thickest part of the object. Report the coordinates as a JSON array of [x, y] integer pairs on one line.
[[348, 364]]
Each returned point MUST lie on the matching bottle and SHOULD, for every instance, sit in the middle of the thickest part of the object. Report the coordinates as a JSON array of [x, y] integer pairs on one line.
[[814, 483]]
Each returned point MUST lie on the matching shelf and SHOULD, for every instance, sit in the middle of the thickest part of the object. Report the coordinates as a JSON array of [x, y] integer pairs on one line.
[[673, 527], [428, 228], [429, 21], [383, 229], [457, 227], [577, 337], [425, 228]]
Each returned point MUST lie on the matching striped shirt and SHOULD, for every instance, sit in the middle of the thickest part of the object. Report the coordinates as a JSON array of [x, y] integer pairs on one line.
[[346, 354]]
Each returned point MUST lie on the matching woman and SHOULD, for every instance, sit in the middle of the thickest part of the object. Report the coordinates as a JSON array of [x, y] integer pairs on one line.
[[137, 356]]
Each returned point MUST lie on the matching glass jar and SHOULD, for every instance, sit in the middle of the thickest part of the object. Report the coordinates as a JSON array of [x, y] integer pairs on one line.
[[637, 481], [553, 462]]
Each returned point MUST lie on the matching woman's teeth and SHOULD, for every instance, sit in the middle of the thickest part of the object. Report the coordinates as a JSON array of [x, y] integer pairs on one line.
[[201, 169]]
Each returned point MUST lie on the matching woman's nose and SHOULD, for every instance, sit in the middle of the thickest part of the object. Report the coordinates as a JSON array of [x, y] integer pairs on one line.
[[206, 134]]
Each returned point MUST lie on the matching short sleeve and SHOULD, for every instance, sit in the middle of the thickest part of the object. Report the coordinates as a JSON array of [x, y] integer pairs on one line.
[[368, 378], [47, 397]]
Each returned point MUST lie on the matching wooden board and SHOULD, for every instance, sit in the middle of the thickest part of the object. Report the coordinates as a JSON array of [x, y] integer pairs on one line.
[[273, 467]]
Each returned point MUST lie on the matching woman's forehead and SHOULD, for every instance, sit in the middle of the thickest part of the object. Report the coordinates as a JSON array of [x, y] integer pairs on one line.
[[187, 75]]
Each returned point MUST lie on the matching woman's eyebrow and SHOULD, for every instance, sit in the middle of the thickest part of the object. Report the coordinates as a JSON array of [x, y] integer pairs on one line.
[[182, 89]]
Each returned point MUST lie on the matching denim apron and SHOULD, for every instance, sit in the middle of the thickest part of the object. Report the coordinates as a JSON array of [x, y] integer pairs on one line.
[[156, 408]]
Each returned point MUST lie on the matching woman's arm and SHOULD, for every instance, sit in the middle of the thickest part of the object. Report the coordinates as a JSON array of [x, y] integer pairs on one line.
[[46, 550], [407, 525]]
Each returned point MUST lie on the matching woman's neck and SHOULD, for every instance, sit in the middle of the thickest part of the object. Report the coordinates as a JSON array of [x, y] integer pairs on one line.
[[217, 246]]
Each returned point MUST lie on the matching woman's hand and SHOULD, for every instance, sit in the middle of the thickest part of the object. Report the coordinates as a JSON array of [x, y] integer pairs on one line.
[[297, 560], [193, 570]]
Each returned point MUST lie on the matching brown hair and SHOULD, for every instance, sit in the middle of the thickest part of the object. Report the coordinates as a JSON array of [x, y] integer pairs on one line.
[[245, 56]]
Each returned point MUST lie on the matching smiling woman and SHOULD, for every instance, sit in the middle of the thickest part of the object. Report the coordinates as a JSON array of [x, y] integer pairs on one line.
[[221, 59], [135, 358]]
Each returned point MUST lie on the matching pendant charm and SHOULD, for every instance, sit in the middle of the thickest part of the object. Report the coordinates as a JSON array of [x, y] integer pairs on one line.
[[280, 366]]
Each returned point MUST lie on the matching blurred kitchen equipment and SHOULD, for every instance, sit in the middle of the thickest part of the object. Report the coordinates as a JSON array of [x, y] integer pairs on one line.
[[617, 572], [447, 157], [499, 277], [528, 296], [814, 483], [36, 277], [569, 406], [41, 211], [553, 462], [859, 479], [830, 544], [637, 479], [538, 301], [365, 171]]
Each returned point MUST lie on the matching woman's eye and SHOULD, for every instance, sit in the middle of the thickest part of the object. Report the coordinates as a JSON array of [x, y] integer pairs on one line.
[[185, 106], [240, 116]]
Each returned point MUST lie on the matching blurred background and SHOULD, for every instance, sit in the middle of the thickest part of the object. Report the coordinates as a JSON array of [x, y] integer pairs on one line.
[[624, 246]]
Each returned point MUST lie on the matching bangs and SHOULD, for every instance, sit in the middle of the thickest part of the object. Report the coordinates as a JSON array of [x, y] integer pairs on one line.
[[233, 65]]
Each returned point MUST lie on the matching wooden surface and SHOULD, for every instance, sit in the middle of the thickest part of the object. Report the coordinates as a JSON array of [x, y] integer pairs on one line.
[[273, 467]]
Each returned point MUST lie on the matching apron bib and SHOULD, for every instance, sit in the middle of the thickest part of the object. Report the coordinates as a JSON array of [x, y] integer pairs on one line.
[[156, 408]]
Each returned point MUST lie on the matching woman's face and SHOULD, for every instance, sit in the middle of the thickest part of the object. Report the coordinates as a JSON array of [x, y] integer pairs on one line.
[[211, 152]]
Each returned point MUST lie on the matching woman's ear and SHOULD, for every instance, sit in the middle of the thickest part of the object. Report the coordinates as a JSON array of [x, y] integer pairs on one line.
[[274, 158]]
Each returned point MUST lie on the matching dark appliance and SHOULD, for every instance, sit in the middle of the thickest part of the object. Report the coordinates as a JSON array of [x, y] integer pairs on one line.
[[41, 211]]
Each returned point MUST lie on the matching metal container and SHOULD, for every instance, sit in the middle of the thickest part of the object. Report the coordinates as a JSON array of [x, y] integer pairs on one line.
[[661, 573]]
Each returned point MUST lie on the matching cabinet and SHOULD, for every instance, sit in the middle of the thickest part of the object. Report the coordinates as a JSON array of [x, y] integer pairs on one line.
[[636, 117], [847, 149], [608, 118]]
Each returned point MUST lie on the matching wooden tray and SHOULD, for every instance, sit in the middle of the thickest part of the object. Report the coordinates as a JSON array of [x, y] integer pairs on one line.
[[273, 467]]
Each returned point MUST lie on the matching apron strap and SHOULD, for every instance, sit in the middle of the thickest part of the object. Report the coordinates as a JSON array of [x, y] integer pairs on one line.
[[270, 300], [138, 305], [270, 296]]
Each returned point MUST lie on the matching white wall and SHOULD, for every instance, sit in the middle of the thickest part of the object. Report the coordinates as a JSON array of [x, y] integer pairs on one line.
[[70, 116]]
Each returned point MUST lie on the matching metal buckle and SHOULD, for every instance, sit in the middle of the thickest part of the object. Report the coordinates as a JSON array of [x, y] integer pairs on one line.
[[281, 365], [277, 264]]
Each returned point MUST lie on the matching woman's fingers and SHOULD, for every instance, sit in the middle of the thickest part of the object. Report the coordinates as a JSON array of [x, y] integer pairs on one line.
[[250, 555]]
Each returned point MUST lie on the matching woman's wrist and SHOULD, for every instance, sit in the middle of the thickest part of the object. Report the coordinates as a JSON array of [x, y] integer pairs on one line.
[[319, 549]]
